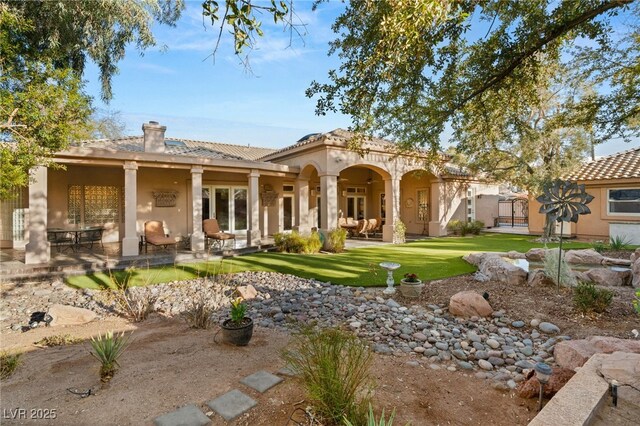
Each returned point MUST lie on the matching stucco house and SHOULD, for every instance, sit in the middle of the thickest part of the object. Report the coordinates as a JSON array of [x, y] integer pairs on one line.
[[253, 192], [614, 182]]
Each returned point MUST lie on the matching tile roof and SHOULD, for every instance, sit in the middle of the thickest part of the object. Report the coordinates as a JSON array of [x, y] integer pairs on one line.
[[623, 165], [191, 148]]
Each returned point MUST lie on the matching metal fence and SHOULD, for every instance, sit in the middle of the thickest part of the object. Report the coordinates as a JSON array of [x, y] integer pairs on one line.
[[513, 212]]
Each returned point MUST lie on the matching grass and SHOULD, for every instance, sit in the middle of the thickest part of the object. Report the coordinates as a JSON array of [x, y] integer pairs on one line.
[[8, 363], [430, 259], [59, 340]]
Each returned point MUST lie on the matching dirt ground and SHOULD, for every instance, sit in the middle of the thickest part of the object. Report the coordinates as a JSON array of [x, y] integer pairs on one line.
[[169, 365], [545, 303]]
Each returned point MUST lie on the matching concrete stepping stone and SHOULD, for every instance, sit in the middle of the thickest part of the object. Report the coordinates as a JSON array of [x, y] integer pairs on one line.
[[261, 381], [232, 404], [189, 415]]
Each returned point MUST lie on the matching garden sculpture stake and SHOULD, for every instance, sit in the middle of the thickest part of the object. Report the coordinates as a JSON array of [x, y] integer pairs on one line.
[[563, 201]]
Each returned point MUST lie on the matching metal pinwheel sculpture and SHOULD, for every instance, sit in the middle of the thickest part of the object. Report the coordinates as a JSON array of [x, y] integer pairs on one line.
[[564, 201]]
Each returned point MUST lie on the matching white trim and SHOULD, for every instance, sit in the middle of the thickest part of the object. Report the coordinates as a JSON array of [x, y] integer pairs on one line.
[[609, 201], [232, 219]]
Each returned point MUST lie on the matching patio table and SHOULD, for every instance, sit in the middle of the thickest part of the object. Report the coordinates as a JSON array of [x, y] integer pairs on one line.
[[350, 227], [60, 236]]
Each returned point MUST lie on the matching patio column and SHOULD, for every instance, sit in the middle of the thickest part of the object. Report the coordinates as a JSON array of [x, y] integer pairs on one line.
[[302, 206], [130, 241], [38, 249], [392, 207], [197, 236], [438, 224], [329, 200], [253, 231]]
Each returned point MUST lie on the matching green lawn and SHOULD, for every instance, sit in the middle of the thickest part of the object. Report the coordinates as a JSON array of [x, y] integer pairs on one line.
[[430, 259]]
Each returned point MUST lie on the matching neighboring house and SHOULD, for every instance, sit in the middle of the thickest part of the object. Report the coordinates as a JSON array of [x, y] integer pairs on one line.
[[252, 191], [614, 182]]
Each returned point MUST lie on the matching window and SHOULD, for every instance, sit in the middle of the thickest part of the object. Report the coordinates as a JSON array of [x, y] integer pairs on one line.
[[624, 201], [93, 204], [287, 188], [353, 190]]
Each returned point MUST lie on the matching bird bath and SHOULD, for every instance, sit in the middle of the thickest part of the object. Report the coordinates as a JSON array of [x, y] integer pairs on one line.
[[390, 267]]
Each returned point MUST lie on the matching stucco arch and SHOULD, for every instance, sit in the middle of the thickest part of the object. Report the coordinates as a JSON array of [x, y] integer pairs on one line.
[[376, 168], [307, 170]]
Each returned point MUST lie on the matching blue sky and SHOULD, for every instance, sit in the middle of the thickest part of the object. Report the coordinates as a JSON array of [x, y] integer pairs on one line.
[[178, 83]]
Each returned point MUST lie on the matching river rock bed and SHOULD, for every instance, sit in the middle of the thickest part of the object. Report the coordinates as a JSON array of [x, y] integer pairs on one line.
[[499, 348]]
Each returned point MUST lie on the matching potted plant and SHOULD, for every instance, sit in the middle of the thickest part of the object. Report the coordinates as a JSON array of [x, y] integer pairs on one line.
[[237, 329], [411, 286]]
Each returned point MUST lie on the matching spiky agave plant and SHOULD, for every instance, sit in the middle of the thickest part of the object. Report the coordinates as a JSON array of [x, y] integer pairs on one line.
[[107, 349]]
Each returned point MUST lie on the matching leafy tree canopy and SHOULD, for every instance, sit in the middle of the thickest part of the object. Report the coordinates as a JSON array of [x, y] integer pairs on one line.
[[44, 46], [411, 69]]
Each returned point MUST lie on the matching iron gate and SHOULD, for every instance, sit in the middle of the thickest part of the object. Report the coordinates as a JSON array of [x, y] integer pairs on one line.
[[513, 212]]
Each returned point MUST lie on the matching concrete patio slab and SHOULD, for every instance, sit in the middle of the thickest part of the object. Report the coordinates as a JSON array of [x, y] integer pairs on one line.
[[261, 381], [232, 404], [189, 415]]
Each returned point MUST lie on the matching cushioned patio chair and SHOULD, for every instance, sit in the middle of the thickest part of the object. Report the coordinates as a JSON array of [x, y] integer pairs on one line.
[[212, 232], [154, 235], [363, 226]]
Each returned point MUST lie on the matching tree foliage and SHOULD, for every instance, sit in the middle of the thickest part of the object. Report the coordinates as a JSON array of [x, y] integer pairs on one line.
[[411, 69], [44, 47]]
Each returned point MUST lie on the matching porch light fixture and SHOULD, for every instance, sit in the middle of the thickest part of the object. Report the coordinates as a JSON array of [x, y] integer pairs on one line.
[[543, 373]]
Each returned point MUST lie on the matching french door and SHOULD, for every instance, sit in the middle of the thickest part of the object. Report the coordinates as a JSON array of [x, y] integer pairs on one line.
[[228, 205], [356, 207]]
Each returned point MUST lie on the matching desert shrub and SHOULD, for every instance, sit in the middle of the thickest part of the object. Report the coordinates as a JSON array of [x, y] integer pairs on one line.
[[313, 243], [8, 363], [334, 368], [371, 419], [280, 241], [474, 227], [107, 349], [399, 232], [294, 242], [589, 298], [456, 227], [551, 260], [133, 303], [618, 242], [599, 246], [200, 314], [59, 340], [337, 239]]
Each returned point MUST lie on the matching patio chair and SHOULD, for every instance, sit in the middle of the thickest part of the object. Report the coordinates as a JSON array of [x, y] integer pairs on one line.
[[90, 236], [154, 235], [212, 232], [60, 239], [361, 229], [376, 227]]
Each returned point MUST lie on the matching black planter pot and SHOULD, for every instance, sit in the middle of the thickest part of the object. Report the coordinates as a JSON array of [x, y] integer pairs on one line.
[[237, 335]]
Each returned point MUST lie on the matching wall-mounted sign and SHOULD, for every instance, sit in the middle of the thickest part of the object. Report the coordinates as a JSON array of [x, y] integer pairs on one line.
[[165, 198]]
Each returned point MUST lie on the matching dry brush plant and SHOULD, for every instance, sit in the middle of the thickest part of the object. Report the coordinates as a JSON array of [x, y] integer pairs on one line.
[[133, 303], [334, 368], [58, 340], [214, 293], [8, 363]]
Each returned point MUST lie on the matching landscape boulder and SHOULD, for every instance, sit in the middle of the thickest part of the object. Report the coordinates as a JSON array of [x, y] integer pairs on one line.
[[635, 268], [538, 278], [468, 304], [574, 353], [247, 292], [609, 277], [535, 255], [623, 367], [498, 269], [70, 315], [530, 387], [588, 256]]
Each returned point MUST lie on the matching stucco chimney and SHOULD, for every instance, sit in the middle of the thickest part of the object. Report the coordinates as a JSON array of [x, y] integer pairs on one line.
[[153, 136]]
